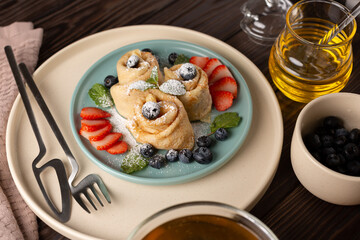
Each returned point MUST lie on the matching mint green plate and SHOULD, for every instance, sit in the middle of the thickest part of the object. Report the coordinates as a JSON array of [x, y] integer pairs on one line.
[[176, 172]]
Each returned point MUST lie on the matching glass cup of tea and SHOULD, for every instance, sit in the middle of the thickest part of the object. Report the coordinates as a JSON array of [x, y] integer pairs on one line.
[[202, 220], [300, 65]]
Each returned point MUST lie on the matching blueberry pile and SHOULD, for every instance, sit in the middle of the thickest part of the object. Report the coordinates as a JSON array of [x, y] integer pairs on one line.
[[335, 147], [202, 154]]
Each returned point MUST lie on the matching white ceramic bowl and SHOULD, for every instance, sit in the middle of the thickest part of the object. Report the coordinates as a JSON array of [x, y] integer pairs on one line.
[[321, 181]]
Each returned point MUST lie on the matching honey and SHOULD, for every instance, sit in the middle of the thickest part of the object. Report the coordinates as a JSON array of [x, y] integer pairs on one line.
[[301, 67]]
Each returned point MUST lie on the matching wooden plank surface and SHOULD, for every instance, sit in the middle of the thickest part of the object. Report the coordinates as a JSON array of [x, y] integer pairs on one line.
[[287, 208]]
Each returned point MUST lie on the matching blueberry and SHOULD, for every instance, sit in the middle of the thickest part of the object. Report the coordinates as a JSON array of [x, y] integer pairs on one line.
[[333, 160], [203, 155], [341, 169], [332, 122], [354, 135], [340, 141], [132, 61], [341, 132], [148, 50], [353, 168], [150, 110], [185, 156], [351, 151], [147, 150], [172, 155], [110, 80], [204, 141], [187, 71], [172, 58], [157, 161], [327, 140], [327, 151], [221, 134], [312, 141]]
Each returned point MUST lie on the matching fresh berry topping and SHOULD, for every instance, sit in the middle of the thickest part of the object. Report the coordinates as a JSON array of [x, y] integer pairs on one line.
[[185, 156], [199, 61], [187, 71], [222, 100], [107, 142], [133, 61], [172, 155], [118, 148], [219, 73], [110, 81], [203, 155], [221, 134], [172, 58], [204, 141], [147, 150], [92, 113], [95, 135], [148, 50], [157, 161], [151, 110], [93, 125], [211, 65], [225, 84]]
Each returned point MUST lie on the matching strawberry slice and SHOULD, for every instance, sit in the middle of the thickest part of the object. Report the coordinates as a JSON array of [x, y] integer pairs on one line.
[[93, 125], [211, 65], [225, 84], [95, 135], [107, 142], [222, 100], [118, 148], [91, 113], [199, 61], [218, 73]]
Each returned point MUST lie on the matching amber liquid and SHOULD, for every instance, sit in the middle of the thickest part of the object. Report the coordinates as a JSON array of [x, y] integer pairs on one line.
[[201, 227], [306, 71]]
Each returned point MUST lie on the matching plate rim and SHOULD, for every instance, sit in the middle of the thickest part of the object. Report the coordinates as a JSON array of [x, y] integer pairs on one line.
[[168, 180]]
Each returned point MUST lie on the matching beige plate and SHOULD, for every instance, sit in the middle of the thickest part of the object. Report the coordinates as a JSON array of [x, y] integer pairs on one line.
[[241, 182]]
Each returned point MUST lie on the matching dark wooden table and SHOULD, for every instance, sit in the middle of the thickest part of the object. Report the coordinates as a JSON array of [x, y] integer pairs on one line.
[[287, 207]]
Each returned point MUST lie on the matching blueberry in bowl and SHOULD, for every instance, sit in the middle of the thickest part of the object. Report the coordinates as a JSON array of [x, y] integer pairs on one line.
[[325, 148]]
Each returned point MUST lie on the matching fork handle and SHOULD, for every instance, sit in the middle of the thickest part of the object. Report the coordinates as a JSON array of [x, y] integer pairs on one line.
[[44, 108]]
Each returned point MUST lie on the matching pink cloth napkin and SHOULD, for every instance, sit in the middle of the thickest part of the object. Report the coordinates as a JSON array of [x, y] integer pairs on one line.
[[17, 221]]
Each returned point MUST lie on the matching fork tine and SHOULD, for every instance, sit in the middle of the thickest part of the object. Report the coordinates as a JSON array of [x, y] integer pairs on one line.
[[90, 200], [81, 203], [103, 189], [96, 195]]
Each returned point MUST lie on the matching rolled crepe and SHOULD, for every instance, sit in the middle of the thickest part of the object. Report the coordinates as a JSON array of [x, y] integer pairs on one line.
[[141, 72], [197, 99], [170, 130]]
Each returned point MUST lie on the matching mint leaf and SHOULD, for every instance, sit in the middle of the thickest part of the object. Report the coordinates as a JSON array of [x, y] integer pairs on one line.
[[101, 95], [154, 78], [225, 120], [181, 59], [133, 162]]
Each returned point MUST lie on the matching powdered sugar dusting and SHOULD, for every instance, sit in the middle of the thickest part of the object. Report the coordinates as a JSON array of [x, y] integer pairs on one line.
[[119, 125], [200, 129], [173, 87], [140, 85]]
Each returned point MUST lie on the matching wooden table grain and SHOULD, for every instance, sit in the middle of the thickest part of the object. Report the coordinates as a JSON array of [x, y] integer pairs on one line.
[[287, 207]]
